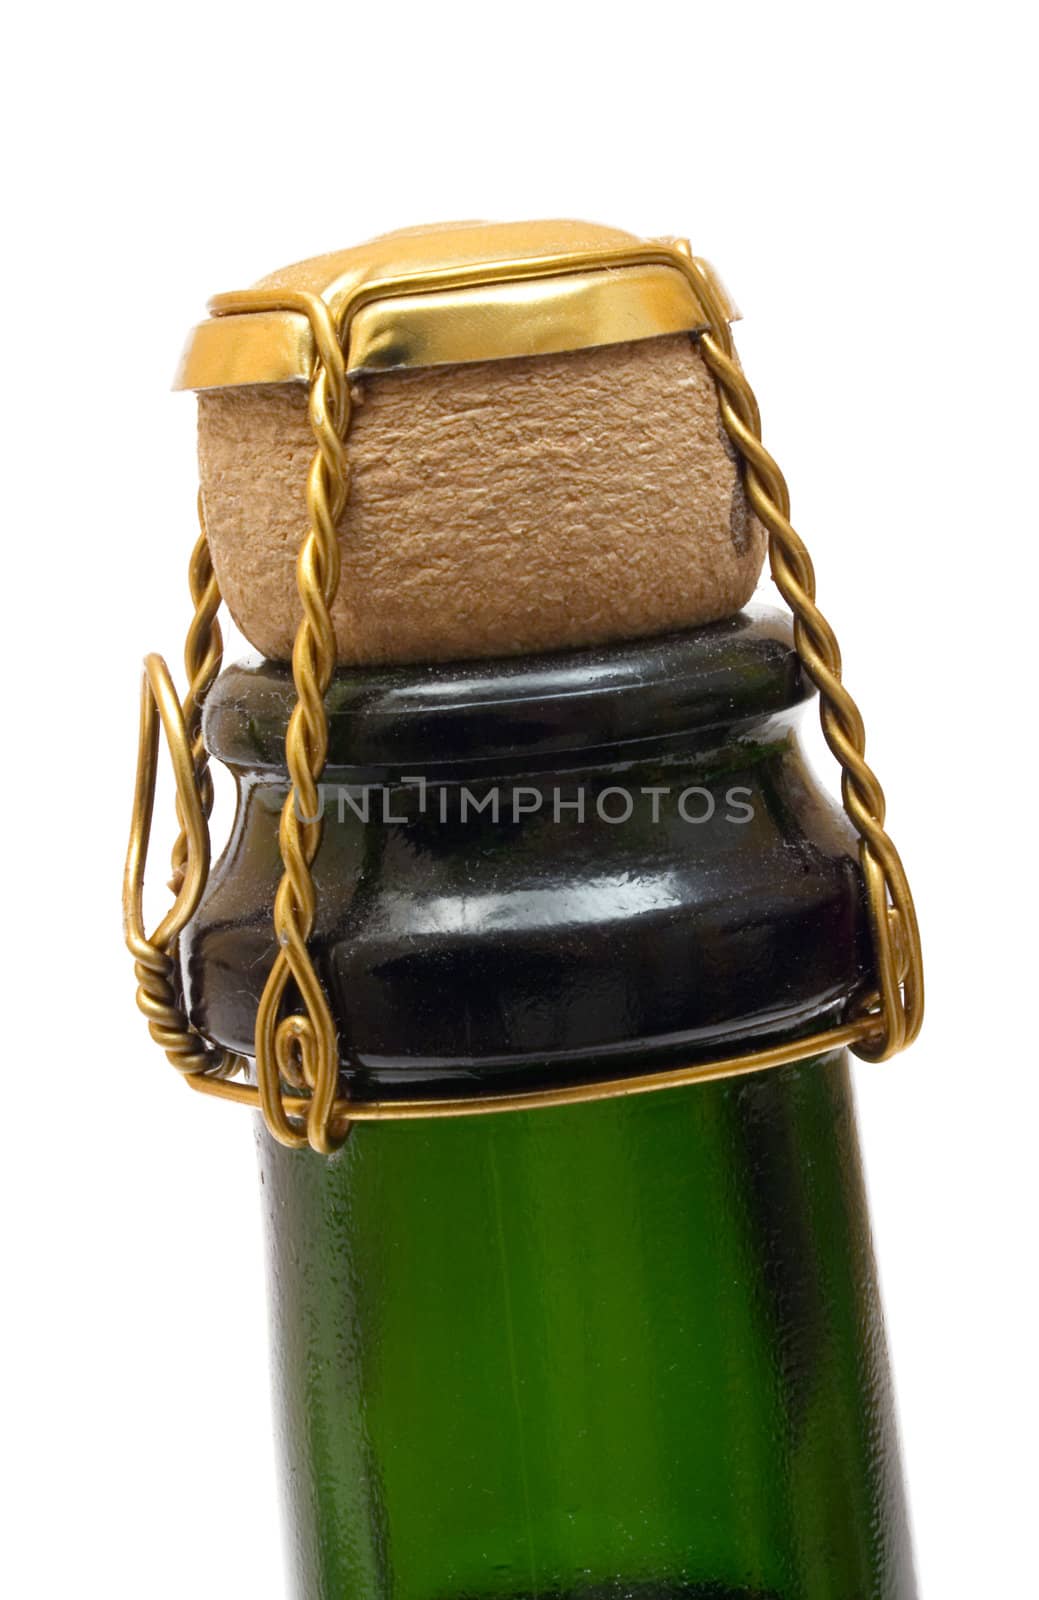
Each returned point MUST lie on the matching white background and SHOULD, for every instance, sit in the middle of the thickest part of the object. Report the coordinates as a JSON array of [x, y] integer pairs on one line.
[[864, 178]]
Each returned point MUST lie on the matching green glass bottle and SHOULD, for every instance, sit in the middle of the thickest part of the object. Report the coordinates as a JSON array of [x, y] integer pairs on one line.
[[631, 1347]]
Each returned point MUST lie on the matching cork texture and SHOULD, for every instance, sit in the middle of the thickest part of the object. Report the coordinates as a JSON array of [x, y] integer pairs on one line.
[[498, 508]]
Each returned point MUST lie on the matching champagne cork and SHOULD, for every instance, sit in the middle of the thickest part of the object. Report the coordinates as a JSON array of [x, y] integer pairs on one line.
[[497, 506]]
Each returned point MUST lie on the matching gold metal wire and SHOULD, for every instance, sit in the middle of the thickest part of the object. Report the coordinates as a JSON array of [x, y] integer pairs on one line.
[[302, 1049], [896, 933], [203, 654], [299, 1051], [155, 955], [346, 1112]]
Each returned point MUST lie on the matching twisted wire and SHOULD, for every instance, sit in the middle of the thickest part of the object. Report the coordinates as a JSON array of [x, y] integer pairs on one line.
[[203, 656], [158, 1001], [892, 913], [301, 1049]]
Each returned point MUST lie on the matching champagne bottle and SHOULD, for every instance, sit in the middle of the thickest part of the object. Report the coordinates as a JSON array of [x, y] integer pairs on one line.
[[539, 957]]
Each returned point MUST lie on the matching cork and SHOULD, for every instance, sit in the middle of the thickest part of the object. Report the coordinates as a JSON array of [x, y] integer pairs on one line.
[[495, 508]]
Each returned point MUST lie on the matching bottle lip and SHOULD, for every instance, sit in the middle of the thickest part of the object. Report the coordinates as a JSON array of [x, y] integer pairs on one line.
[[741, 670]]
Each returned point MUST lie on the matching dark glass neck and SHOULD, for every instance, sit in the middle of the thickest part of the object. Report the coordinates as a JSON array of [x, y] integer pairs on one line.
[[659, 880]]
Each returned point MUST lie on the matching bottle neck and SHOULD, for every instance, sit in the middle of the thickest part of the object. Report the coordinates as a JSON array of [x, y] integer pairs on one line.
[[623, 1349]]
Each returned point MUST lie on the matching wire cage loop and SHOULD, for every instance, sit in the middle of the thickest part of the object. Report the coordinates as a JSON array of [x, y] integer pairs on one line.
[[155, 958]]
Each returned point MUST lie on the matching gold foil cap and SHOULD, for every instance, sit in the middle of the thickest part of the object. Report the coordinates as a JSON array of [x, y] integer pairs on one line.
[[462, 292]]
